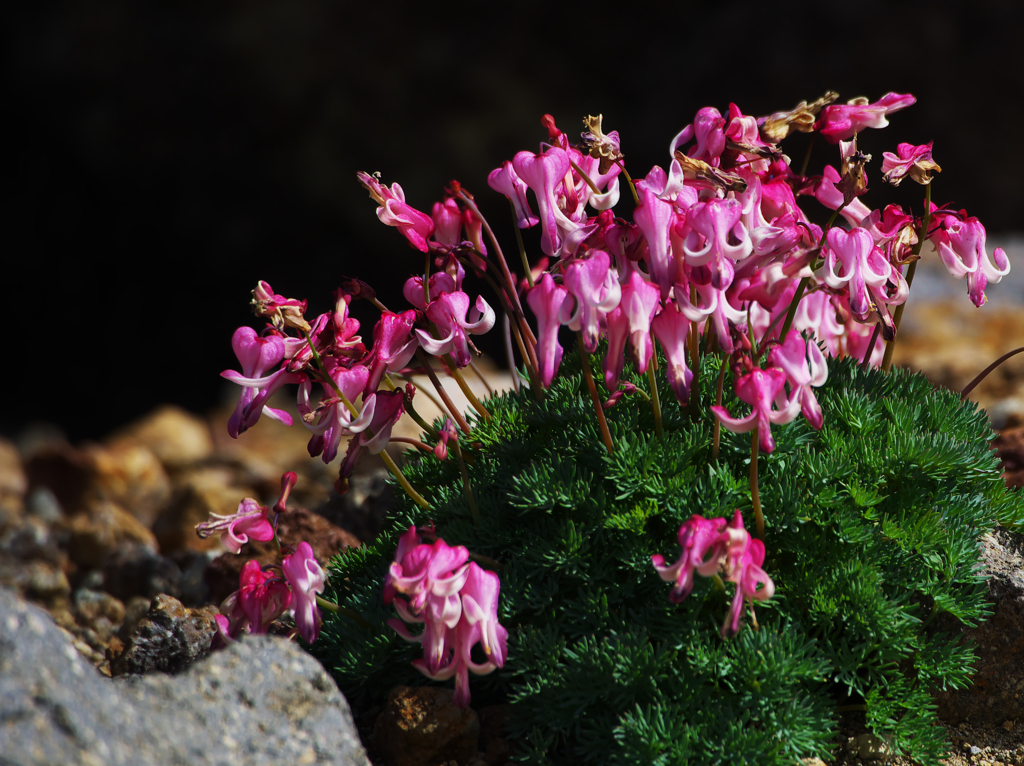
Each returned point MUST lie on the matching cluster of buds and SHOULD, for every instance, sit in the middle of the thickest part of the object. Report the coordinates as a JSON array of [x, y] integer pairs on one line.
[[264, 595], [713, 548], [456, 601]]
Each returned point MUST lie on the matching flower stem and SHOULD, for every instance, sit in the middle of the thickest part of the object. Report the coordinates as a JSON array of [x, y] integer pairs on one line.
[[402, 481], [480, 375], [522, 247], [589, 377], [409, 408], [465, 483], [755, 494], [871, 346], [655, 401], [897, 317], [984, 373], [463, 424], [632, 186], [453, 370], [718, 403], [351, 614]]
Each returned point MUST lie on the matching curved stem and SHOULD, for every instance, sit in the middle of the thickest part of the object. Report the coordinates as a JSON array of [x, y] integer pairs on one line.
[[655, 401], [453, 370], [871, 346], [897, 316], [632, 186], [456, 415], [480, 375], [755, 494], [602, 422], [522, 247], [351, 614], [718, 403], [465, 483], [985, 373], [402, 481]]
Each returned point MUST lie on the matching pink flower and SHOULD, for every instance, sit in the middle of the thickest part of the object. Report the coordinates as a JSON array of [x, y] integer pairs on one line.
[[331, 420], [283, 312], [909, 160], [257, 355], [505, 181], [248, 522], [630, 320], [448, 313], [425, 570], [716, 233], [840, 122], [852, 261], [546, 300], [804, 365], [961, 242], [260, 599], [703, 547], [594, 285], [306, 578], [543, 173], [743, 559], [393, 211], [372, 431], [760, 389], [672, 329], [447, 433]]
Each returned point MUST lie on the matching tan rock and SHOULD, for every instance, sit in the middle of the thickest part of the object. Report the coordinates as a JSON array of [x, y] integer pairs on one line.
[[13, 480], [193, 503], [103, 528], [176, 436], [131, 475]]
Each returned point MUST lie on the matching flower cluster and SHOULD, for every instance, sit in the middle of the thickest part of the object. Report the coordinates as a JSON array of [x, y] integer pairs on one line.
[[728, 252], [712, 547], [264, 595], [456, 601]]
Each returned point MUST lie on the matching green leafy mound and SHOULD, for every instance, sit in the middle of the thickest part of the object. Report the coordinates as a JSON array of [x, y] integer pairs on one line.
[[872, 530]]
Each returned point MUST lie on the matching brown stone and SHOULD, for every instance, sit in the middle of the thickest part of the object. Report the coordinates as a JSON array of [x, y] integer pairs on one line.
[[293, 527], [177, 437], [66, 471], [130, 475], [1010, 447], [168, 639], [423, 727], [201, 495], [13, 480], [99, 531]]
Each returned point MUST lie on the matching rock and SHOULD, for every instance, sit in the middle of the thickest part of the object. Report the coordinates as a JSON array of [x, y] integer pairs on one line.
[[262, 701], [64, 470], [871, 748], [102, 529], [130, 475], [136, 570], [37, 580], [294, 526], [202, 494], [169, 638], [177, 437], [13, 484], [1010, 447], [99, 612], [422, 727], [135, 609], [998, 689]]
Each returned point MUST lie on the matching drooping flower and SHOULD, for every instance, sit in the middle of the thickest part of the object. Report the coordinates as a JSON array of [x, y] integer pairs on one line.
[[805, 367], [744, 556], [760, 389], [414, 225], [546, 299], [703, 547], [306, 579], [961, 242], [282, 312], [248, 522], [257, 355]]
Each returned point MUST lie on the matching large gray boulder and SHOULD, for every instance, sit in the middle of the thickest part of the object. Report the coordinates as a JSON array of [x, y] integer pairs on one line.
[[261, 701]]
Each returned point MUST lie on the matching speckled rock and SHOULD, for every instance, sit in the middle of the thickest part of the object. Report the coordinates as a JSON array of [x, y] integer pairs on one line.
[[422, 726], [998, 690], [169, 638], [102, 529], [262, 701]]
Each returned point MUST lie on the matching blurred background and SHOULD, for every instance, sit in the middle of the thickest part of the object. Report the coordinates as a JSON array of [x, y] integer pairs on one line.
[[166, 156]]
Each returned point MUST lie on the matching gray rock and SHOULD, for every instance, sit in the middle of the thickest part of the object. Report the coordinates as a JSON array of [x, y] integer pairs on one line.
[[168, 639], [261, 701]]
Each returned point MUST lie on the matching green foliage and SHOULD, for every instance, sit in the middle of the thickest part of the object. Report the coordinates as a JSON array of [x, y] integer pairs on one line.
[[872, 530]]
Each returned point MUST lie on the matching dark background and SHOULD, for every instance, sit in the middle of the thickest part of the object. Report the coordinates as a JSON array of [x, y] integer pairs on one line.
[[166, 156]]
